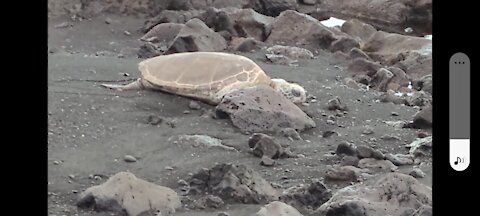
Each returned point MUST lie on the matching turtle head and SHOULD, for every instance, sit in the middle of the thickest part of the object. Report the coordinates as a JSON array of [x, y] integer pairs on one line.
[[291, 91]]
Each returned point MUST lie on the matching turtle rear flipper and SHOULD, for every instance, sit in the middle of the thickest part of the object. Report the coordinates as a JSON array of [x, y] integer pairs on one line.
[[136, 85]]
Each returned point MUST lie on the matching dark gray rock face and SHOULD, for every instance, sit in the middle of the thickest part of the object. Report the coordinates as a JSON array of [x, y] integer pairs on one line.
[[125, 193], [386, 15], [233, 184], [275, 7], [306, 198], [171, 16], [264, 145], [261, 109], [424, 118], [292, 27], [390, 194], [196, 36]]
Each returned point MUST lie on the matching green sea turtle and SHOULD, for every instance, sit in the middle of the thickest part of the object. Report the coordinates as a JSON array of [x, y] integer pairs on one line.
[[206, 76]]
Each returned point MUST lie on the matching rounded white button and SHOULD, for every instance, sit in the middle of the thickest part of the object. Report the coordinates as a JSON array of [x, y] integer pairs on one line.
[[459, 154]]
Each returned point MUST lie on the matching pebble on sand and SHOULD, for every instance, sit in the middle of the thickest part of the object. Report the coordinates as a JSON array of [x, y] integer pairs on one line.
[[108, 20], [154, 120], [327, 134], [346, 148], [335, 104], [129, 158], [266, 161], [63, 25], [417, 173], [390, 137], [194, 105], [367, 131]]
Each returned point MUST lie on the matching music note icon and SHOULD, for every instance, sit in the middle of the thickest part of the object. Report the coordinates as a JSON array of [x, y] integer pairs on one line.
[[459, 160]]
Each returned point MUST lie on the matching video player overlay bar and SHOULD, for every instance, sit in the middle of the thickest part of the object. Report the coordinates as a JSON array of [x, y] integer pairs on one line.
[[459, 114]]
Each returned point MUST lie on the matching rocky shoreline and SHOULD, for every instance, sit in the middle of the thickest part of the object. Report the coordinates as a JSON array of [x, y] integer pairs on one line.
[[360, 144]]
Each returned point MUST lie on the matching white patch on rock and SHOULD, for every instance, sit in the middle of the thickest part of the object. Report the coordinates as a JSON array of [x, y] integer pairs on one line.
[[332, 22], [418, 143]]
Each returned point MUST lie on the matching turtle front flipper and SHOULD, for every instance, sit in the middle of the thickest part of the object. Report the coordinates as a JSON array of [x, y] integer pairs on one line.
[[136, 85]]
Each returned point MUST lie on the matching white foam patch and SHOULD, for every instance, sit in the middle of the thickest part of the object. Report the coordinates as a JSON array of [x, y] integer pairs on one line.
[[426, 50], [332, 21], [428, 37]]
